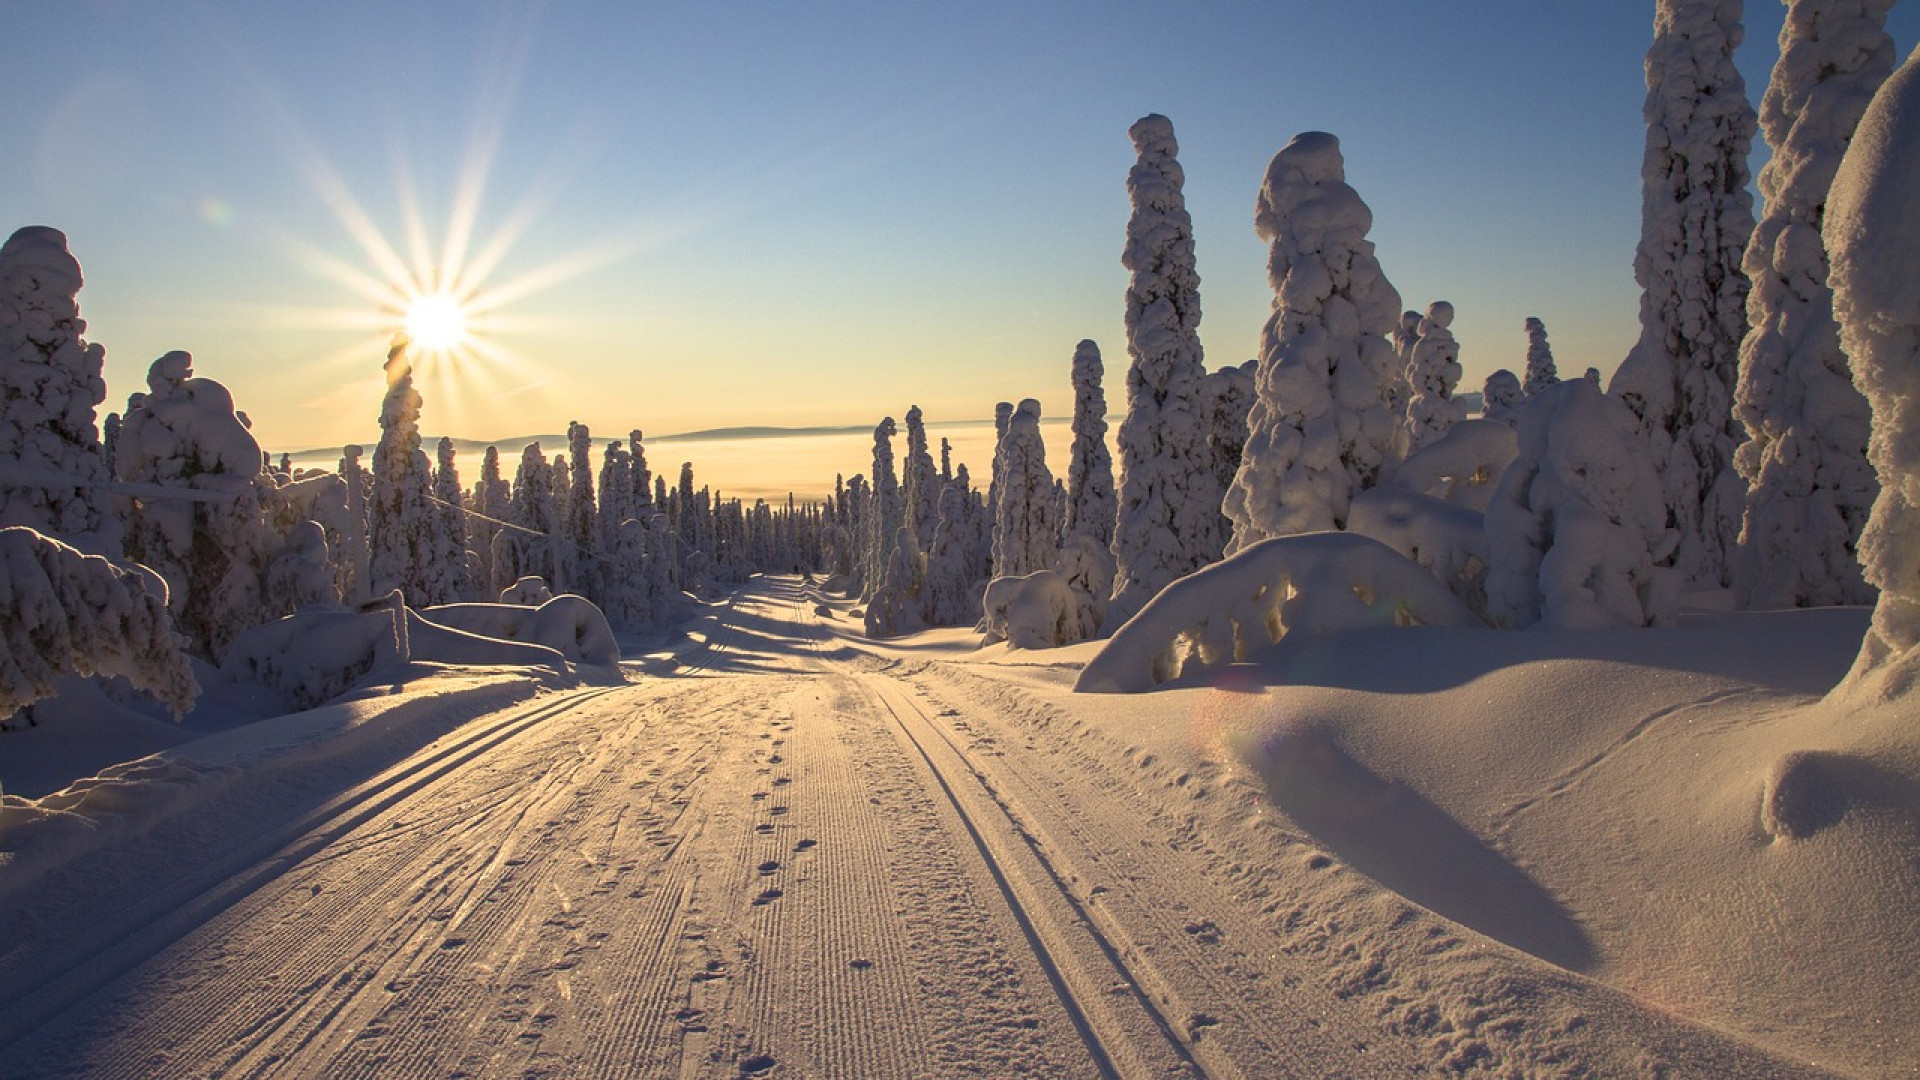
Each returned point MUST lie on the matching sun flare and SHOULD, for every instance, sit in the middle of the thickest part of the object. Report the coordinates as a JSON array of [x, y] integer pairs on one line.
[[436, 323]]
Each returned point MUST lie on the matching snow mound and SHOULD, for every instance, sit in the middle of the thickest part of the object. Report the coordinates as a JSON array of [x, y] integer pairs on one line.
[[1033, 611], [567, 624], [1311, 584]]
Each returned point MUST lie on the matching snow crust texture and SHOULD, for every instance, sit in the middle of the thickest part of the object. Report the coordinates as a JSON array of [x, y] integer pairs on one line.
[[1323, 424], [1809, 485]]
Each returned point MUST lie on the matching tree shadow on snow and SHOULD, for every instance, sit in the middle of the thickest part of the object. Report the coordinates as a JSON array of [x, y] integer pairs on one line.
[[1392, 834]]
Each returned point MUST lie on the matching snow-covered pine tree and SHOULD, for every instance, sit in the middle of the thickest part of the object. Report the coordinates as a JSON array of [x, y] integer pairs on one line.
[[1026, 524], [491, 497], [56, 472], [452, 564], [1433, 375], [1227, 397], [1809, 484], [920, 485], [1502, 397], [1002, 416], [1873, 243], [209, 538], [356, 585], [1696, 218], [1593, 376], [1168, 518], [1405, 336], [1322, 425], [1090, 504], [950, 574], [527, 549], [400, 516], [582, 529], [1540, 370], [885, 514]]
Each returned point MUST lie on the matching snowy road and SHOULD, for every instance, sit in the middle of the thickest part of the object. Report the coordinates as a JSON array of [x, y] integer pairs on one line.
[[788, 858]]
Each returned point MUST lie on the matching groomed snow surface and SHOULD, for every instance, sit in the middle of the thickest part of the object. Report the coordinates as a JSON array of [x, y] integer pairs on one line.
[[790, 851]]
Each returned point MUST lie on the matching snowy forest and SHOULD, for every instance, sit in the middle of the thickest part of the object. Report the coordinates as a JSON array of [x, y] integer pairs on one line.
[[1755, 452]]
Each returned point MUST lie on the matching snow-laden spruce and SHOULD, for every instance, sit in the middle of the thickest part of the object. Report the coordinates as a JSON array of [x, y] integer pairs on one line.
[[919, 483], [1169, 499], [1502, 397], [1540, 371], [65, 611], [401, 521], [1873, 241], [1026, 523], [1432, 375], [201, 521], [355, 586], [1090, 499], [1226, 398], [885, 512], [1322, 426], [53, 471], [457, 567], [1577, 527], [1809, 486], [1695, 219]]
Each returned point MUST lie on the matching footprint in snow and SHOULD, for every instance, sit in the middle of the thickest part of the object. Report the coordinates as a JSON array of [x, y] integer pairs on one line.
[[767, 897]]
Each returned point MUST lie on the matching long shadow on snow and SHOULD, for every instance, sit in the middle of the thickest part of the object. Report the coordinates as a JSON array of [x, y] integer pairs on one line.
[[1392, 834]]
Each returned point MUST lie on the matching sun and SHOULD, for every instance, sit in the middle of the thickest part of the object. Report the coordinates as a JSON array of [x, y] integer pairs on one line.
[[436, 322]]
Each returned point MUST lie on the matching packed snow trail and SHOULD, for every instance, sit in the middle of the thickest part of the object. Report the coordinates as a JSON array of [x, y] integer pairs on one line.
[[789, 857]]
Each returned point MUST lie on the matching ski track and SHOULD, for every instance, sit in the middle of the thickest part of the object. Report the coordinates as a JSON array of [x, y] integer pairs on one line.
[[781, 859]]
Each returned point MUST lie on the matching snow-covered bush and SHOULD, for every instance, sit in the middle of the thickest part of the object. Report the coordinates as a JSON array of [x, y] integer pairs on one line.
[[529, 591], [317, 654], [1502, 397], [1433, 374], [1696, 217], [1026, 523], [1541, 372], [53, 470], [1091, 504], [1809, 485], [1462, 466], [1577, 526], [1311, 584], [1323, 426], [1873, 240], [65, 611], [1447, 539], [302, 573], [1168, 518], [571, 625], [1032, 611], [1087, 567]]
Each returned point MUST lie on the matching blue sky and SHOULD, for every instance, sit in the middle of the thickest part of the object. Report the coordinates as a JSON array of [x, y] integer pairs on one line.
[[775, 213]]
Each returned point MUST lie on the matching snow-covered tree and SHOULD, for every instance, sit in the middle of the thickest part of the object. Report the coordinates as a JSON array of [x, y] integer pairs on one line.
[[65, 611], [1433, 374], [491, 495], [53, 471], [200, 517], [526, 548], [1502, 397], [1540, 370], [1227, 397], [1322, 425], [1405, 337], [1002, 416], [1809, 485], [1090, 500], [1026, 524], [1593, 376], [952, 564], [1873, 241], [400, 516], [885, 513], [1696, 217], [581, 529], [1577, 523], [356, 585], [451, 563], [1168, 518], [920, 485]]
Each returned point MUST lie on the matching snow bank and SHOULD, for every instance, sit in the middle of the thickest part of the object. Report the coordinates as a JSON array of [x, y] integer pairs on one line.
[[1314, 583], [568, 624]]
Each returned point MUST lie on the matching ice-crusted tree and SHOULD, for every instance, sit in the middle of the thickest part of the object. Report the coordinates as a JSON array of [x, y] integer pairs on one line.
[[920, 483], [1322, 426], [582, 532], [1809, 484], [1433, 374], [452, 564], [525, 549], [400, 516], [1577, 523], [355, 584], [54, 473], [1873, 242], [1002, 416], [1502, 397], [491, 495], [951, 563], [62, 611], [200, 520], [1168, 520], [1696, 217], [1090, 499], [884, 514], [1405, 337], [1026, 524], [1227, 396], [1541, 372]]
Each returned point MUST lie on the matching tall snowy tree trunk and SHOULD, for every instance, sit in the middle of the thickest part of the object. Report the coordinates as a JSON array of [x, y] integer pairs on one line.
[[1169, 498], [1809, 484], [1696, 217]]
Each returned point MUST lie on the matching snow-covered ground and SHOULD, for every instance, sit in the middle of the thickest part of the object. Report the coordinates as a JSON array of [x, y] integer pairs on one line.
[[791, 851]]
